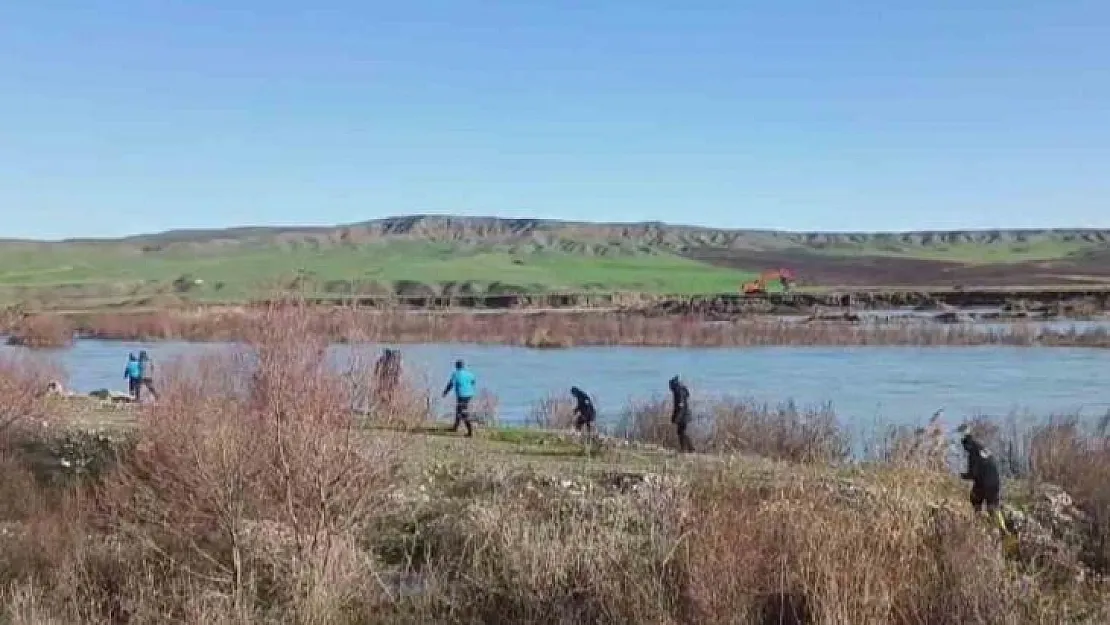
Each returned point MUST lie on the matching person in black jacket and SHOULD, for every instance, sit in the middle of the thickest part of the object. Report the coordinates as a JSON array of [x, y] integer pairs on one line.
[[680, 414], [584, 411], [982, 471]]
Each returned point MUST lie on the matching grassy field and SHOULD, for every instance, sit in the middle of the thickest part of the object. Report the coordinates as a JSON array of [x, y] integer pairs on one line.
[[240, 273], [437, 255]]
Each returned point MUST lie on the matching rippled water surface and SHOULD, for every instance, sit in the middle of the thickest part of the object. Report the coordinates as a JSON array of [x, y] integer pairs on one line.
[[894, 384]]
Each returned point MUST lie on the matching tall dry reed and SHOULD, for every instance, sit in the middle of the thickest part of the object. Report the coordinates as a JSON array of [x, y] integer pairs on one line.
[[244, 499], [570, 329], [553, 412], [734, 425], [42, 331]]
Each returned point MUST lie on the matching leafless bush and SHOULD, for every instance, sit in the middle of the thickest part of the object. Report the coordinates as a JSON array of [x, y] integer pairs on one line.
[[24, 387], [923, 447], [553, 412], [783, 432], [485, 408], [42, 331], [255, 482], [813, 553]]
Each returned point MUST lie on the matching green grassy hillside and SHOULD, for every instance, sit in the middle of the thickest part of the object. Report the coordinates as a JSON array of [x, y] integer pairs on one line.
[[424, 255]]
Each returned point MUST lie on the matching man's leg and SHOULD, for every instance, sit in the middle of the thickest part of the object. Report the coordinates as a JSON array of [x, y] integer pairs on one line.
[[149, 384], [977, 498], [683, 440], [463, 408]]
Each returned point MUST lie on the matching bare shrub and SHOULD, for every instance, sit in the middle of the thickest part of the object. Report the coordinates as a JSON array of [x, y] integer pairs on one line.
[[1062, 454], [553, 412], [226, 462], [42, 331], [485, 407], [24, 386], [648, 421], [525, 549], [813, 553], [923, 447], [784, 432]]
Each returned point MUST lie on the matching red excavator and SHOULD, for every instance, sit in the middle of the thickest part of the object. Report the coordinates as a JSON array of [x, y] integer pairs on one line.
[[759, 286]]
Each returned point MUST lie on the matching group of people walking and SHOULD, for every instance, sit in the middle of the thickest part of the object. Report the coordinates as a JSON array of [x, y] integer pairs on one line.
[[464, 384], [982, 471]]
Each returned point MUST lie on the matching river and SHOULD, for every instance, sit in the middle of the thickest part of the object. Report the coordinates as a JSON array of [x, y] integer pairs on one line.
[[864, 385]]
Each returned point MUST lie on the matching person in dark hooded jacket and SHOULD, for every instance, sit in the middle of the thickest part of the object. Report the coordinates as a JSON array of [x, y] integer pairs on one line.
[[584, 412], [680, 412], [982, 472]]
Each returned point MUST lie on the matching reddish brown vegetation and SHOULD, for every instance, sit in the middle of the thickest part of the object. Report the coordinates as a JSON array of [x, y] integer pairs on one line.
[[245, 493], [730, 425], [42, 331], [567, 329], [23, 394]]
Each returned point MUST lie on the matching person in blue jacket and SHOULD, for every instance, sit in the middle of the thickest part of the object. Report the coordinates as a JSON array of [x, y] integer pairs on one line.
[[463, 383], [133, 374]]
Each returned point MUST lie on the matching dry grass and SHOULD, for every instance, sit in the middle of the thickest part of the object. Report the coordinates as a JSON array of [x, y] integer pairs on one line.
[[516, 546], [914, 447], [551, 330], [1065, 451], [817, 553], [784, 432], [243, 500], [42, 332], [1062, 453], [731, 425], [649, 421], [23, 388], [553, 412]]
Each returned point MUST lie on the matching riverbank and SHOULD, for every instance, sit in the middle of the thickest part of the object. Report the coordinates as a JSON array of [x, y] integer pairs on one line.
[[249, 493], [548, 330], [1060, 301], [514, 525]]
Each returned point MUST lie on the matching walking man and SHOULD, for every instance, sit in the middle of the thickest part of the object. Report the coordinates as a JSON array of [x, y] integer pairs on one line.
[[146, 375], [584, 411], [463, 383], [680, 414], [387, 375], [982, 472]]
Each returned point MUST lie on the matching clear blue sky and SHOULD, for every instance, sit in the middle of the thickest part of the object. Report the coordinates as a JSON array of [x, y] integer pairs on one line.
[[137, 116]]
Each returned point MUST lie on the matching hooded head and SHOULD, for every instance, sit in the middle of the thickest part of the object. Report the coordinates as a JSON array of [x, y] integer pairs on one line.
[[577, 392], [673, 383], [459, 364], [969, 444]]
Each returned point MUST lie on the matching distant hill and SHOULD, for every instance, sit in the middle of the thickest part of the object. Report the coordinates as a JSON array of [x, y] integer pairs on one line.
[[424, 254]]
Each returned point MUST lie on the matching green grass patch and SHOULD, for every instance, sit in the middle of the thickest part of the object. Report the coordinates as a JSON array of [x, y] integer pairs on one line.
[[243, 270]]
